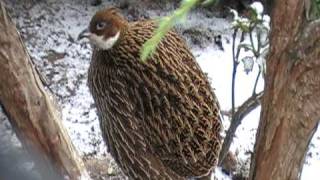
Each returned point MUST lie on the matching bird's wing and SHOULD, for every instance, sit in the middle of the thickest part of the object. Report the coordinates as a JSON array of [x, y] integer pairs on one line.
[[180, 111], [173, 101]]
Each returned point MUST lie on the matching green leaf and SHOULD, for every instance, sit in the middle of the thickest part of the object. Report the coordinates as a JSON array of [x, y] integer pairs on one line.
[[165, 25]]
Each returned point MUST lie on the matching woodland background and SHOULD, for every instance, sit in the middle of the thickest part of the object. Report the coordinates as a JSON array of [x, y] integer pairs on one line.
[[49, 30]]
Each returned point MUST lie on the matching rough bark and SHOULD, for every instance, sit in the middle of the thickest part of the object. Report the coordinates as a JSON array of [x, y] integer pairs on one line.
[[291, 103], [30, 109]]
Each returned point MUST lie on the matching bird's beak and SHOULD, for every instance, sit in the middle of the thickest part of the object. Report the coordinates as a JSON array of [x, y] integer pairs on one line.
[[84, 34]]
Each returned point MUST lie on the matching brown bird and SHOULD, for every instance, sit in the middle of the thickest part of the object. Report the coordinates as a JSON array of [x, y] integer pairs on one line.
[[160, 118]]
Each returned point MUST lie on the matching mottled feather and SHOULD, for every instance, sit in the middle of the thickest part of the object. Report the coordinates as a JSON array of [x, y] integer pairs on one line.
[[160, 119]]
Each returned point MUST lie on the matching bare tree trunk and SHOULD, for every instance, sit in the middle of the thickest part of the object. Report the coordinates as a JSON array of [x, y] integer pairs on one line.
[[29, 108], [291, 103]]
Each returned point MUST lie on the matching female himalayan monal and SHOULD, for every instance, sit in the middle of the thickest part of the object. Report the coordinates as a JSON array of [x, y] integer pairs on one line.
[[160, 118]]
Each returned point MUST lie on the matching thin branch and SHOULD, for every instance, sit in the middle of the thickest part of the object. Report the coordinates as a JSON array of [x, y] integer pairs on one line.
[[226, 113], [241, 40], [256, 82], [252, 43], [234, 70], [249, 105], [235, 56], [259, 44]]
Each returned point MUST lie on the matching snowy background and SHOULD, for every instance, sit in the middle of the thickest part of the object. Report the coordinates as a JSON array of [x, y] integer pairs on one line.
[[50, 29]]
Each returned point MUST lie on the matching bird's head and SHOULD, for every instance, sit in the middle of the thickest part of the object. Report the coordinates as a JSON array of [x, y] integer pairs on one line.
[[105, 28]]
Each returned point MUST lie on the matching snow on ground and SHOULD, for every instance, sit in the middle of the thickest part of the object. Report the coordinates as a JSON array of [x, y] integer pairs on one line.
[[218, 65], [50, 28]]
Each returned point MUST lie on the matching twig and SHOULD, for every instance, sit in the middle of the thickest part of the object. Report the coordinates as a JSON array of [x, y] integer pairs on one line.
[[255, 52], [256, 82], [225, 113], [235, 66], [249, 105], [236, 117], [234, 71], [241, 40]]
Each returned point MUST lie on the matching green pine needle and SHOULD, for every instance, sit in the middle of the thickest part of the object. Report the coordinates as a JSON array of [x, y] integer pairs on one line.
[[165, 25]]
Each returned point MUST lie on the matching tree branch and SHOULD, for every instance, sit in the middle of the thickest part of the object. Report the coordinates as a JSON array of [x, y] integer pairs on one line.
[[249, 105], [256, 82], [234, 71], [235, 57]]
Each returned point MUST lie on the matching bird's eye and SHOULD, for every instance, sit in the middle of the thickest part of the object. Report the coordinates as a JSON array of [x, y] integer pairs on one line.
[[101, 25]]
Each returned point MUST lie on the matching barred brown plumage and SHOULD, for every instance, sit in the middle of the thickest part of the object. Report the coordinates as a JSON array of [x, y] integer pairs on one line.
[[160, 118]]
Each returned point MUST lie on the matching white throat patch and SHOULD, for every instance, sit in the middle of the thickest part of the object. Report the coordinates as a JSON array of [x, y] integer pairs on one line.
[[102, 43]]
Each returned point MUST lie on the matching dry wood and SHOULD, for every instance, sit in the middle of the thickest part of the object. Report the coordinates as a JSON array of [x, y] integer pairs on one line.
[[30, 109]]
